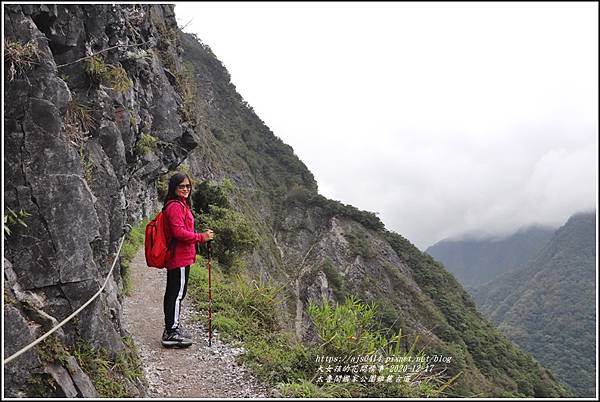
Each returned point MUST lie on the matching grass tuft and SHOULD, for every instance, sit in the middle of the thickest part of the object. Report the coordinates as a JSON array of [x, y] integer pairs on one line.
[[111, 374], [133, 242], [11, 218], [245, 310], [115, 76], [20, 57], [146, 144]]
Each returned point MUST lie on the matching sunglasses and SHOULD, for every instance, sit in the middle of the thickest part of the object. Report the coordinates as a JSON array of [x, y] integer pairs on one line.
[[184, 186]]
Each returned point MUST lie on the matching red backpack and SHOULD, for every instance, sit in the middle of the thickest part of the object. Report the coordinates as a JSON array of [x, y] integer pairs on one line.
[[156, 245]]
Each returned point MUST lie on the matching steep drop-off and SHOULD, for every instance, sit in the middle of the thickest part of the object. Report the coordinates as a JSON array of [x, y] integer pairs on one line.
[[321, 248], [547, 307], [86, 142]]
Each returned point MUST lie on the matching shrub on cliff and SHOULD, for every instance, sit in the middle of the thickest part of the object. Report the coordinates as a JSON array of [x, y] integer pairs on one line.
[[234, 235]]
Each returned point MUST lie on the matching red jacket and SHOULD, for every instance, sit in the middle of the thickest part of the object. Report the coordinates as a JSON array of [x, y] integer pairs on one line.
[[180, 226]]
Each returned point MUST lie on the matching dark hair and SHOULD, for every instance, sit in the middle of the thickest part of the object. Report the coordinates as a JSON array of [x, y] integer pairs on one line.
[[174, 181]]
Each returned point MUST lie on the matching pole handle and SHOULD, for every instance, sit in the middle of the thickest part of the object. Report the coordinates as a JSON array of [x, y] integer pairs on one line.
[[209, 248]]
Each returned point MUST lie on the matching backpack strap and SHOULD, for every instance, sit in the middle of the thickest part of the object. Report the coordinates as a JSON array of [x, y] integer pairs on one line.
[[171, 201], [172, 241]]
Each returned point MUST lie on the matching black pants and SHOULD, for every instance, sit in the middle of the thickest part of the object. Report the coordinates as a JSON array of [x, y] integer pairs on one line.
[[177, 281]]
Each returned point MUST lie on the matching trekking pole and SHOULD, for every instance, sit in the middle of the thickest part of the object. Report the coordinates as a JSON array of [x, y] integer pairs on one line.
[[209, 252]]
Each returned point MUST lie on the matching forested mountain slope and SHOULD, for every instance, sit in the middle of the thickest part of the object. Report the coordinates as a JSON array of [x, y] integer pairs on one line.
[[477, 261], [115, 98], [548, 307]]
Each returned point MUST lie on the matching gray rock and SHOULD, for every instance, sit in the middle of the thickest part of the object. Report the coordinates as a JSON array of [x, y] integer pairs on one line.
[[17, 334], [81, 380], [79, 191], [63, 380]]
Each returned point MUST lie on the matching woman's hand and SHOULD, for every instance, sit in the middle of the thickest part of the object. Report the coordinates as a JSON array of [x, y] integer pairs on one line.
[[210, 234]]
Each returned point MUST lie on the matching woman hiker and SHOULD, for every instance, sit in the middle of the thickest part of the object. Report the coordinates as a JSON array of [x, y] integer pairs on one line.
[[179, 223]]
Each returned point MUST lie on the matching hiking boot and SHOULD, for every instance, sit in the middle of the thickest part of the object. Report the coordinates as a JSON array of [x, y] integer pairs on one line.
[[180, 331], [173, 339], [183, 332]]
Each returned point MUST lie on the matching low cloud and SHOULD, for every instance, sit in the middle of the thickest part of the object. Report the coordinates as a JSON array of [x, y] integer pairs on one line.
[[445, 118], [434, 188]]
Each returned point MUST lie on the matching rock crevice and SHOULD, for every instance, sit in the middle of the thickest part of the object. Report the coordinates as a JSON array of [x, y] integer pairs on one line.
[[74, 164]]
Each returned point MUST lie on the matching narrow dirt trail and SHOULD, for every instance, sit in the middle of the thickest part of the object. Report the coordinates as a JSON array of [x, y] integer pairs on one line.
[[199, 371]]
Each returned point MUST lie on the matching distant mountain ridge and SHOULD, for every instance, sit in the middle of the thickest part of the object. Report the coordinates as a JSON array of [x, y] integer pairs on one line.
[[477, 261], [170, 104], [548, 307]]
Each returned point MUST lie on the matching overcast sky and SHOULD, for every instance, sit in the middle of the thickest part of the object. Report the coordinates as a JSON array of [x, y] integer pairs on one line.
[[444, 118]]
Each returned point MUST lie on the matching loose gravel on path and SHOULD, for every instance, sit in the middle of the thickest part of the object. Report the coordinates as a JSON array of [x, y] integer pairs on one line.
[[199, 371]]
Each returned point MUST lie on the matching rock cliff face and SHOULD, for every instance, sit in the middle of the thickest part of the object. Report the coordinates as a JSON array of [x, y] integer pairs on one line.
[[76, 163], [85, 143]]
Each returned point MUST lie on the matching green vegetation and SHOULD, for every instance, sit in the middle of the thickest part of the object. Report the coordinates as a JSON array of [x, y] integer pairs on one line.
[[162, 186], [78, 121], [241, 138], [133, 242], [41, 385], [118, 79], [270, 158], [471, 339], [185, 168], [111, 374], [247, 149], [234, 236], [52, 350], [207, 194], [359, 245], [302, 196], [146, 144], [11, 218], [245, 311], [545, 306], [165, 32], [87, 164], [345, 329], [306, 389], [242, 307], [349, 329], [335, 280], [7, 297], [132, 118], [185, 83], [186, 88], [20, 57], [115, 76], [95, 67]]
